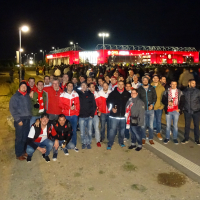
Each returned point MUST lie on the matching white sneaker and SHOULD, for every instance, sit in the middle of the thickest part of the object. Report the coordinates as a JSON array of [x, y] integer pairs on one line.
[[54, 159]]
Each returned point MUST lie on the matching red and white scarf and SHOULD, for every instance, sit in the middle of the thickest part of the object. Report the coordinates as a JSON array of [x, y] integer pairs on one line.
[[40, 101], [128, 114], [175, 101]]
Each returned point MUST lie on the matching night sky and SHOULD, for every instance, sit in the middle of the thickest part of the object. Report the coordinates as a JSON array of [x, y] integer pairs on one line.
[[136, 22]]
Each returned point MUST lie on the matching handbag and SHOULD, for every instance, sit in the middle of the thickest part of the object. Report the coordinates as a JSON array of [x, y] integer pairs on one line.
[[134, 121]]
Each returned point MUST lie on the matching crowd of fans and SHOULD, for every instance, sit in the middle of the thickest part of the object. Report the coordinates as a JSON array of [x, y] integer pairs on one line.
[[124, 100]]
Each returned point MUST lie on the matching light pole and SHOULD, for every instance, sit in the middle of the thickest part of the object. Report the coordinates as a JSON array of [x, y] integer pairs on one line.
[[74, 48], [34, 56], [103, 35], [24, 29], [43, 54]]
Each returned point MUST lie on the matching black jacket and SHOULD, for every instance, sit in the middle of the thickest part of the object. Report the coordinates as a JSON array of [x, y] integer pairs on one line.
[[192, 100], [87, 104], [120, 100], [149, 97], [181, 100]]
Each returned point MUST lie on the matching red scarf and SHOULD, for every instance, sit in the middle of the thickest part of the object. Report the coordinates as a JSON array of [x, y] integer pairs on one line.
[[63, 86], [23, 93], [40, 101], [175, 101], [34, 88], [128, 114], [114, 85], [120, 91]]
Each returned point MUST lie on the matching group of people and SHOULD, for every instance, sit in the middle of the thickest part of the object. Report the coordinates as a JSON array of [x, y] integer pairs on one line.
[[47, 114]]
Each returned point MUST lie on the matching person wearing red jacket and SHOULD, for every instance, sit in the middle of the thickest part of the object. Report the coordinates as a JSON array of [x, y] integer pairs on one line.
[[53, 96], [103, 109], [95, 120], [70, 107]]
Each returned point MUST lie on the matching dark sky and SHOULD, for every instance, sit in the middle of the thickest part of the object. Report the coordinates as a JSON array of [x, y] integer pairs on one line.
[[135, 22]]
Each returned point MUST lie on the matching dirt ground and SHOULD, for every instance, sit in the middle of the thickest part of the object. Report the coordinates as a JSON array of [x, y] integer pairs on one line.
[[95, 174]]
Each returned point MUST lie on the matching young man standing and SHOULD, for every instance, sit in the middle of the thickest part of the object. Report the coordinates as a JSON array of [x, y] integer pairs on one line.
[[173, 99], [135, 84], [20, 109], [113, 83], [130, 77], [47, 82], [70, 106], [31, 85], [65, 80], [100, 83]]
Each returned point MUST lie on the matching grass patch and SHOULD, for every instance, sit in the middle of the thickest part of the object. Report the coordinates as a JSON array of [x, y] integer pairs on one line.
[[171, 179], [101, 172], [77, 174], [138, 187], [91, 188], [128, 166]]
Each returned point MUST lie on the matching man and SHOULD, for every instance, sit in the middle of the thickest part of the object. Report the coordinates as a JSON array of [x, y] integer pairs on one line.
[[130, 77], [47, 82], [184, 79], [38, 138], [128, 87], [100, 83], [158, 107], [87, 111], [103, 109], [53, 95], [135, 84], [64, 82], [82, 79], [89, 80], [51, 79], [61, 135], [163, 82], [147, 94], [95, 120], [113, 83], [116, 103], [20, 109], [107, 79], [70, 106], [191, 111], [31, 85], [173, 99], [135, 110], [39, 102]]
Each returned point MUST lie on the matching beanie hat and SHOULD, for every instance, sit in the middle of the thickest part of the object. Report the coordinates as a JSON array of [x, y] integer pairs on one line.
[[114, 77], [21, 83]]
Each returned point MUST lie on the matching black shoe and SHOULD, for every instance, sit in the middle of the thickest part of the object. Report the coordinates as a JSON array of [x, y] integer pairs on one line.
[[132, 147], [101, 140], [28, 159], [43, 155], [47, 159], [138, 148], [166, 141], [197, 142], [184, 141]]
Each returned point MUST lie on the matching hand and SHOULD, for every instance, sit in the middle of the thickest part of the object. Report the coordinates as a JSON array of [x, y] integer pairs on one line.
[[37, 123], [99, 113], [91, 117], [114, 110], [56, 144], [150, 107], [42, 150], [20, 123], [170, 103], [72, 107], [178, 110], [31, 94]]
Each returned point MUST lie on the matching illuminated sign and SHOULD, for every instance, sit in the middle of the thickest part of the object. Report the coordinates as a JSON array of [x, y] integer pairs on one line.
[[50, 56], [118, 53]]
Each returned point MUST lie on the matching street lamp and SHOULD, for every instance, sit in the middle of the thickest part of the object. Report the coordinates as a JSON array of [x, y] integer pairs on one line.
[[34, 56], [43, 54], [74, 47], [53, 47], [103, 35], [21, 29]]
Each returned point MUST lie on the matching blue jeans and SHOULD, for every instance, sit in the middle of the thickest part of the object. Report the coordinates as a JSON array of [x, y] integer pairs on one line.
[[73, 121], [86, 123], [169, 117], [157, 120], [95, 122], [127, 135], [46, 143], [103, 119], [148, 117], [21, 134], [136, 135], [70, 145], [114, 123], [33, 119]]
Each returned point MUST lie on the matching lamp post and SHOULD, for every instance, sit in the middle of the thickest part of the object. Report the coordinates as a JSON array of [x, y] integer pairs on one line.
[[34, 56], [74, 48], [103, 35], [21, 29], [43, 54]]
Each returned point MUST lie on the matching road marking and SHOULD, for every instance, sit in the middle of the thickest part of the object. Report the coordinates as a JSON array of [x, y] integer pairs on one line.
[[178, 158]]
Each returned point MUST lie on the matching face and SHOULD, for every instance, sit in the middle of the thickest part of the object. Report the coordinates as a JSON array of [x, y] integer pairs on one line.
[[135, 79], [61, 121], [60, 79], [173, 85], [83, 87], [94, 80], [107, 78], [120, 85], [100, 82], [155, 79], [46, 80], [69, 87], [82, 79], [131, 73], [163, 80], [105, 87], [44, 121], [65, 78], [51, 79], [89, 80], [55, 84], [23, 88], [145, 82], [31, 82], [134, 94], [121, 78], [74, 80], [192, 84], [113, 81], [40, 86], [92, 88], [116, 74], [128, 87]]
